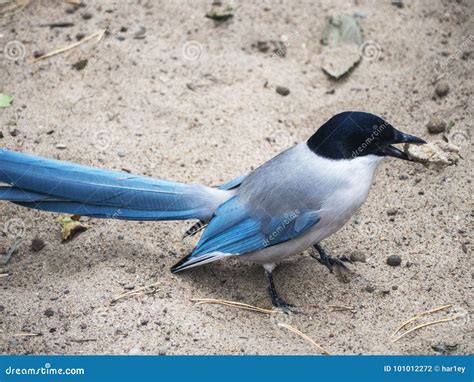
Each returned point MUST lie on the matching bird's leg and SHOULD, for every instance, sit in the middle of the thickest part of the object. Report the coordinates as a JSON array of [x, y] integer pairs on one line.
[[329, 261], [277, 301]]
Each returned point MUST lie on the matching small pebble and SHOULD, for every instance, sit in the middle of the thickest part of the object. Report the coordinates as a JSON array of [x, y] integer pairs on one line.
[[37, 244], [140, 35], [397, 3], [282, 91], [80, 65], [129, 286], [442, 88], [87, 16], [38, 53], [49, 312], [263, 46], [60, 146], [14, 132], [394, 260], [80, 36], [436, 125], [144, 322], [1, 135], [370, 288], [392, 211], [358, 256]]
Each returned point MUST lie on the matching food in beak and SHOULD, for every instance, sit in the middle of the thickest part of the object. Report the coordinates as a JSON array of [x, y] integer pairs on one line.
[[439, 153]]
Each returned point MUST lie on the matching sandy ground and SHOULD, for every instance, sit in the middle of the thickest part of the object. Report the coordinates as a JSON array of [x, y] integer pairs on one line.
[[188, 100]]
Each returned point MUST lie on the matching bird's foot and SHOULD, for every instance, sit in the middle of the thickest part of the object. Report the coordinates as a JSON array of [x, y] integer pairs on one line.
[[329, 262], [279, 304]]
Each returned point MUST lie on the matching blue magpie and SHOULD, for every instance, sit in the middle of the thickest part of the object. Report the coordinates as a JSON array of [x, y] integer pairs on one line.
[[288, 204]]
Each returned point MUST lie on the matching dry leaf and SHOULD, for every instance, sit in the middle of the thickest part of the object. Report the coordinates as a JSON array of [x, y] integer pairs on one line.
[[71, 226], [340, 60]]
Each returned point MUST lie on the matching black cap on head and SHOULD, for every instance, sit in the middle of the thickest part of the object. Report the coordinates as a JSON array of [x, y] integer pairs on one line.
[[353, 134]]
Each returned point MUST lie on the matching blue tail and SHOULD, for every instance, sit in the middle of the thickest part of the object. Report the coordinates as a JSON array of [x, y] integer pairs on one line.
[[57, 186]]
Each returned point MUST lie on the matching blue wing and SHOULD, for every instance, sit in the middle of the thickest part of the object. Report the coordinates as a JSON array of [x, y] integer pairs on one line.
[[236, 230]]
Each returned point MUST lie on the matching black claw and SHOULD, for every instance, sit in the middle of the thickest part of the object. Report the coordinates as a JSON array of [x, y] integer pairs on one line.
[[328, 261]]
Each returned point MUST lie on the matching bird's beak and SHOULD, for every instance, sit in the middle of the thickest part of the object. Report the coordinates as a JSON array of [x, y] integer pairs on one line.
[[400, 137]]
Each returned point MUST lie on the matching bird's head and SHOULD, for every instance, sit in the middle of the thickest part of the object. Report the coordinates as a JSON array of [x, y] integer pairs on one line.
[[353, 134]]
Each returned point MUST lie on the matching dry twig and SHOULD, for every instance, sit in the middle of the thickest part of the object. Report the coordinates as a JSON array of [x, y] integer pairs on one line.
[[147, 289], [424, 325], [98, 35], [418, 316], [233, 304], [304, 336]]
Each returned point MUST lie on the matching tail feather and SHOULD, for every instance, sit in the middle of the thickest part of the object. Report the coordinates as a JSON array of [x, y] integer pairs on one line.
[[58, 186]]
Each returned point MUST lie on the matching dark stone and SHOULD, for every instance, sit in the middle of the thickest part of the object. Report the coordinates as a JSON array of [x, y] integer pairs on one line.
[[80, 65], [282, 91], [436, 125], [358, 256], [370, 289], [442, 88], [394, 260], [37, 244], [49, 312]]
